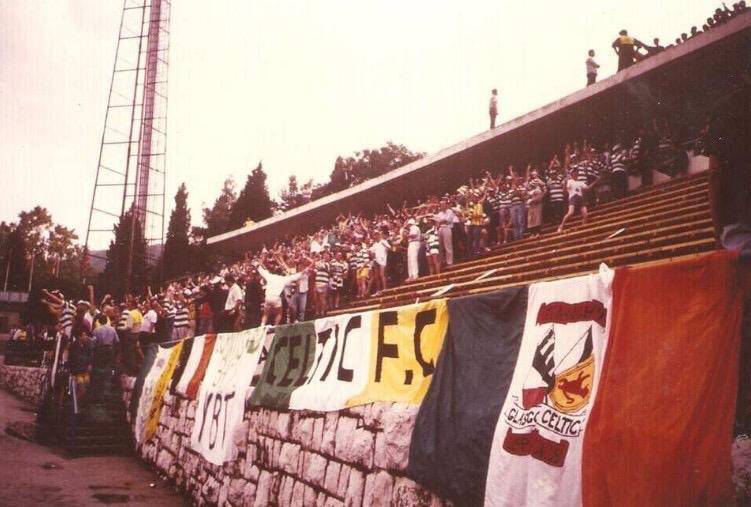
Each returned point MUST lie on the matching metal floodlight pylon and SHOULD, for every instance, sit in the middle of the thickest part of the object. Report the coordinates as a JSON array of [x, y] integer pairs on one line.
[[131, 169]]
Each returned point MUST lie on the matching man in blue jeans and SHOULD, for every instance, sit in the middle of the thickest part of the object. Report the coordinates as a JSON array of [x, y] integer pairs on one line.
[[519, 198]]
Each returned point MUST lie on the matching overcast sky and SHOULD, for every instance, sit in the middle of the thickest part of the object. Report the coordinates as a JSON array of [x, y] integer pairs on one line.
[[293, 83]]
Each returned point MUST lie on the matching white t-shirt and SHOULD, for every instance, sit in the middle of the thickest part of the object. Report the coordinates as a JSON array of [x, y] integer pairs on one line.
[[591, 66], [235, 294], [575, 188], [275, 283], [414, 234], [381, 251], [315, 246], [149, 322]]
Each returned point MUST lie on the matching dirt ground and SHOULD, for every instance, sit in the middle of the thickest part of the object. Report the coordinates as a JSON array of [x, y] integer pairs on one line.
[[32, 474]]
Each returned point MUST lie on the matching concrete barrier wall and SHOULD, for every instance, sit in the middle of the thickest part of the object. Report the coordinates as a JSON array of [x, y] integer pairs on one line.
[[23, 381], [352, 457]]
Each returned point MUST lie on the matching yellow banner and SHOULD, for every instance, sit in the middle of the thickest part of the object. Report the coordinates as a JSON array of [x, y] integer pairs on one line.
[[155, 411], [405, 343]]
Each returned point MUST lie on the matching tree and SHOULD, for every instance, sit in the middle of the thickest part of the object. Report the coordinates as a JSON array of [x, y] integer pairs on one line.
[[176, 257], [114, 278], [369, 164], [37, 249], [294, 195], [364, 165], [14, 257], [254, 202], [217, 218]]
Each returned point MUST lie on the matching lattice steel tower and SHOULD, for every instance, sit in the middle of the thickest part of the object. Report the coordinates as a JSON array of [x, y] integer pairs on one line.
[[131, 172]]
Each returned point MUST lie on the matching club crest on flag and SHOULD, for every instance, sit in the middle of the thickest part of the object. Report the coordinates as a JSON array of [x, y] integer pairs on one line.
[[573, 386], [557, 387]]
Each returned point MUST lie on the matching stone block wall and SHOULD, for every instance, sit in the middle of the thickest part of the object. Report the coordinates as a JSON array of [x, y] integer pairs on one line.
[[351, 457], [354, 457], [23, 381]]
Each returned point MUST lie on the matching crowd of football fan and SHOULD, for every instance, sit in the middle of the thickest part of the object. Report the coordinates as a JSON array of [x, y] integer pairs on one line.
[[357, 257]]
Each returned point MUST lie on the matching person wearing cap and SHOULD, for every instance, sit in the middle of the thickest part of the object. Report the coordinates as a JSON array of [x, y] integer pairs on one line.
[[493, 107], [626, 48], [413, 235]]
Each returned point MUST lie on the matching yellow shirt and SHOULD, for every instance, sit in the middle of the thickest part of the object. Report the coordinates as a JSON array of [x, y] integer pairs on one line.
[[135, 320], [476, 214]]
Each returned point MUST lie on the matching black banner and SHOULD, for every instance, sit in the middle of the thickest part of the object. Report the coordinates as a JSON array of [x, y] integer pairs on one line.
[[453, 434]]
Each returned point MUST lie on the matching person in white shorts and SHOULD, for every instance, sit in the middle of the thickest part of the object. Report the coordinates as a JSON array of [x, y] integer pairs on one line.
[[575, 189]]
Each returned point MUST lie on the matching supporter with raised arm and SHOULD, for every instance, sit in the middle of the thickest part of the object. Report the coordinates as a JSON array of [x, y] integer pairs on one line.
[[575, 188], [519, 198], [272, 309], [556, 191], [504, 209]]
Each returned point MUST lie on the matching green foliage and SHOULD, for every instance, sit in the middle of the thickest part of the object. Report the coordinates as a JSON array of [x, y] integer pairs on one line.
[[347, 172], [254, 202], [369, 164], [295, 195], [217, 218], [114, 278], [50, 247], [176, 256]]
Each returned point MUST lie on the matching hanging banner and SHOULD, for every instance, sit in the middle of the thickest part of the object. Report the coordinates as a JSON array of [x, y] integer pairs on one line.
[[191, 365], [194, 381], [536, 452], [182, 362], [454, 429], [405, 343], [160, 389], [316, 365], [161, 360], [339, 369], [221, 396], [661, 429]]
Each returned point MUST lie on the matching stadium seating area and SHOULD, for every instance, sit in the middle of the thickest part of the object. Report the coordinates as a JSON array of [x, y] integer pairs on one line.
[[666, 220]]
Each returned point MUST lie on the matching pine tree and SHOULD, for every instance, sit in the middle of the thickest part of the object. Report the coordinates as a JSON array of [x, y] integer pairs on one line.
[[15, 260], [114, 277], [254, 202], [217, 218], [176, 258]]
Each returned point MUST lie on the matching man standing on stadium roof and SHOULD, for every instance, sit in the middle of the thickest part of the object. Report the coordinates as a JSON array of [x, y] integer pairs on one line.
[[626, 48], [493, 109]]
